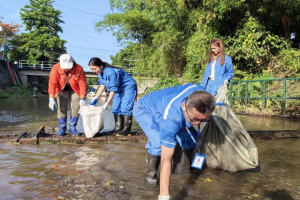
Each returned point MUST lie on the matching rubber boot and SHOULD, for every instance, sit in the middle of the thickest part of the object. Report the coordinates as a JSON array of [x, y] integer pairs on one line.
[[119, 121], [184, 165], [62, 126], [152, 168], [127, 126], [72, 125]]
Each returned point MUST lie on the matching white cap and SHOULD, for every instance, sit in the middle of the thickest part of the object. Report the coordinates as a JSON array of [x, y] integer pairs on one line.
[[66, 61]]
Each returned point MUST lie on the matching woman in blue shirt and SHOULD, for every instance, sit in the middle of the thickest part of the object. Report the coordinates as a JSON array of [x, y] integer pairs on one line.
[[123, 91], [219, 68]]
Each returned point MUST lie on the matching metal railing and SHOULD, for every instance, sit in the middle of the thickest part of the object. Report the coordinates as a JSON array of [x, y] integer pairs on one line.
[[36, 64], [247, 95], [279, 95]]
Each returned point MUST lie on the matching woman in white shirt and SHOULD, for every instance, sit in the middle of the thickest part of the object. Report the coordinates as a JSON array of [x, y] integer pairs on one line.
[[219, 68]]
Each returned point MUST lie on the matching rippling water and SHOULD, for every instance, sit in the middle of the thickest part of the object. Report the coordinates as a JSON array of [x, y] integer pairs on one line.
[[116, 171]]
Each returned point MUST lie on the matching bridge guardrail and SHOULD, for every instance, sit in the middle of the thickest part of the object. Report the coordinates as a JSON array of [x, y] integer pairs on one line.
[[36, 64]]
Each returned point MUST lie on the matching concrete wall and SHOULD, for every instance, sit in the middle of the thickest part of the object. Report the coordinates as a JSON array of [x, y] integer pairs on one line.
[[5, 76], [144, 82]]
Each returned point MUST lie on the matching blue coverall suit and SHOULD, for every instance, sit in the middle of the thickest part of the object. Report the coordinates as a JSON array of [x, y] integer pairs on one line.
[[222, 73], [125, 88], [161, 117]]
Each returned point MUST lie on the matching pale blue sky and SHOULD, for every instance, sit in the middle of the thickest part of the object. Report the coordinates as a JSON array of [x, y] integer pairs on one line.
[[83, 41]]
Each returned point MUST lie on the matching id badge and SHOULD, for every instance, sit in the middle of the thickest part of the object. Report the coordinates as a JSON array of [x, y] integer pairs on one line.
[[198, 161]]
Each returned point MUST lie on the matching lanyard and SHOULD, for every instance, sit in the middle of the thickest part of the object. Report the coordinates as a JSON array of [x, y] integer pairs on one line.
[[193, 136]]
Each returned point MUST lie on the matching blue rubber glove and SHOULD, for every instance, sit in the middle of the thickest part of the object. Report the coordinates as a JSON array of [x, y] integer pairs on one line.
[[220, 104], [94, 102]]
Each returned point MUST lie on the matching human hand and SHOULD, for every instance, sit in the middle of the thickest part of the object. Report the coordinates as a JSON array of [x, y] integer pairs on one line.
[[104, 106], [164, 197], [82, 102], [52, 104], [94, 102], [225, 82]]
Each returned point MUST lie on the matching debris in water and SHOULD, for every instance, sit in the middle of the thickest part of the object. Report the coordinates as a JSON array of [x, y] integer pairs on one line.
[[207, 180]]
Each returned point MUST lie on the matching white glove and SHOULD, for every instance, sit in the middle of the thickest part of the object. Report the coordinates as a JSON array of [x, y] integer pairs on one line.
[[225, 82], [82, 102], [52, 104], [164, 197], [104, 106]]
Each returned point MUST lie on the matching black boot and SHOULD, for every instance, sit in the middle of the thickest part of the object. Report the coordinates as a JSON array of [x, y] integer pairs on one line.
[[119, 121], [186, 159], [127, 126], [152, 168]]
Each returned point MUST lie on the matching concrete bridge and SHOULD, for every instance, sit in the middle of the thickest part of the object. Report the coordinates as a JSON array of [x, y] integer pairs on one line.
[[43, 68], [25, 72]]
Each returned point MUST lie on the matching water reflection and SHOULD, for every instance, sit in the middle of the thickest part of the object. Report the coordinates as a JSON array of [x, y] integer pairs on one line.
[[29, 114], [97, 172]]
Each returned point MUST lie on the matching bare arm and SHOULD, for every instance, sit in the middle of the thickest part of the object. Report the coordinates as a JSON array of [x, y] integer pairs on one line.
[[100, 90], [165, 170]]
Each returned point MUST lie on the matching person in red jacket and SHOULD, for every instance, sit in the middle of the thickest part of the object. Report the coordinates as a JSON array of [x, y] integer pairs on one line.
[[67, 81]]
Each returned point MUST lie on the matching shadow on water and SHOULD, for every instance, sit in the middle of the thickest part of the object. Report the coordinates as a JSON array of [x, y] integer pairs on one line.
[[278, 195]]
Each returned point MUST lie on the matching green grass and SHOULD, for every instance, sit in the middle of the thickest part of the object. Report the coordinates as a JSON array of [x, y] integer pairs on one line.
[[18, 91]]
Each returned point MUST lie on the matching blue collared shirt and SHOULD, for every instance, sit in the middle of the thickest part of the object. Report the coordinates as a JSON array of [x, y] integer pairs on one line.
[[165, 106], [116, 80]]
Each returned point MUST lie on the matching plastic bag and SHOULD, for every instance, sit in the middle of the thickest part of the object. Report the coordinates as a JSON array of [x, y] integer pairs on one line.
[[221, 96], [225, 142], [92, 120]]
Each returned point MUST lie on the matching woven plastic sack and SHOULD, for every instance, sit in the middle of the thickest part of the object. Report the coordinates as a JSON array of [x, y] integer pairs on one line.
[[92, 120], [221, 96], [225, 142]]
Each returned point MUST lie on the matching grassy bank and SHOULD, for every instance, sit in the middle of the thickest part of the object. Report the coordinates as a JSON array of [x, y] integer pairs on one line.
[[18, 91]]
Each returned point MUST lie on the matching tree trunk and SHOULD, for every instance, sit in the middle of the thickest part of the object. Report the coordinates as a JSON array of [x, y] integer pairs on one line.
[[286, 23]]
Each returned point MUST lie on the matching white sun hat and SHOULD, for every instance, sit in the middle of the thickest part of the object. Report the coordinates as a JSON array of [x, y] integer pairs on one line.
[[66, 61]]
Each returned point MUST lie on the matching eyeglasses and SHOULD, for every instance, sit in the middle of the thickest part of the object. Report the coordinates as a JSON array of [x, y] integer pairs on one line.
[[196, 120]]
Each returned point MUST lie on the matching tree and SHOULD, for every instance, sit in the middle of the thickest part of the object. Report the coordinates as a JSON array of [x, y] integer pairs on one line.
[[8, 34], [42, 42], [173, 36]]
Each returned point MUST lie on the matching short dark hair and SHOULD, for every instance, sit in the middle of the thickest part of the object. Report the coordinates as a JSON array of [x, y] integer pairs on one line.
[[203, 101]]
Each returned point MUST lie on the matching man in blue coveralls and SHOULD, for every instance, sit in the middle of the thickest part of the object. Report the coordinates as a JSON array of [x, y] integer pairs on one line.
[[166, 116]]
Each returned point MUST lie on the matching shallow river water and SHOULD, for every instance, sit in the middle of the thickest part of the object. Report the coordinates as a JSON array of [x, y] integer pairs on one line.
[[116, 170], [17, 116]]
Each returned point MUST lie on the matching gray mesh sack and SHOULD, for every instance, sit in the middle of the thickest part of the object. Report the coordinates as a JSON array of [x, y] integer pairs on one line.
[[224, 140]]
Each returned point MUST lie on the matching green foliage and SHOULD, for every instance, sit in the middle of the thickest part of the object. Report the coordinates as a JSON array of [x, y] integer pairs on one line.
[[42, 42], [172, 37], [166, 81], [197, 53], [253, 47], [91, 81], [288, 61], [19, 91], [124, 57]]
